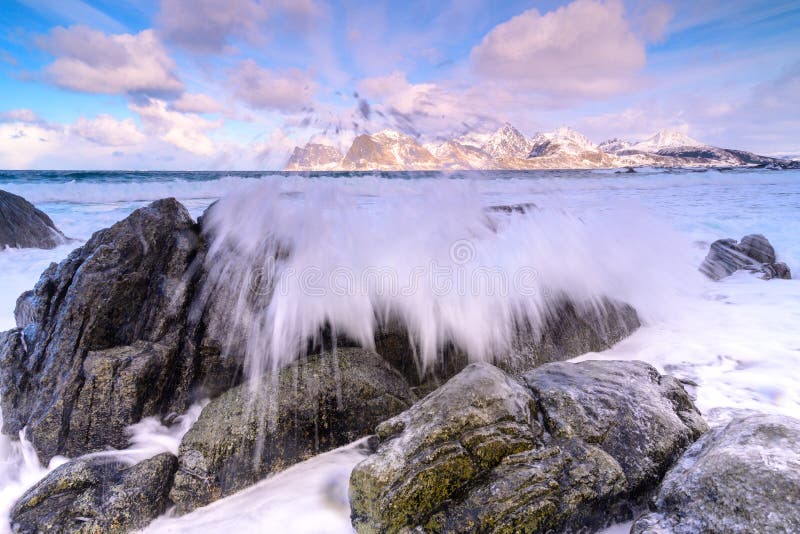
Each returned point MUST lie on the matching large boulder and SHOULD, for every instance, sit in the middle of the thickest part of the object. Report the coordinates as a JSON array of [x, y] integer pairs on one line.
[[569, 446], [569, 329], [315, 405], [753, 253], [102, 341], [740, 477], [96, 495], [24, 226]]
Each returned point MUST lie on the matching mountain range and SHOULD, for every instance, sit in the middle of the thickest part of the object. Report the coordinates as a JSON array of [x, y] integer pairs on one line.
[[507, 148]]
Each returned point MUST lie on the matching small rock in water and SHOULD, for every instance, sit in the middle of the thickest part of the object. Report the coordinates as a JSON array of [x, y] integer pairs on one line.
[[95, 494], [753, 253], [740, 477], [24, 226]]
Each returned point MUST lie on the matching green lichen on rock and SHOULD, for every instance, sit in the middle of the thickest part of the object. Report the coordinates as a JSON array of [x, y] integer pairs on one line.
[[96, 494], [490, 453], [320, 403]]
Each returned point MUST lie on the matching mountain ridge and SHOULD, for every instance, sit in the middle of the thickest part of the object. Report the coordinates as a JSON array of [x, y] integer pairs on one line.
[[507, 148]]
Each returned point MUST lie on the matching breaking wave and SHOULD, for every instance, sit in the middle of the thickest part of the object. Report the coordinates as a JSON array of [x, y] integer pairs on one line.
[[454, 270]]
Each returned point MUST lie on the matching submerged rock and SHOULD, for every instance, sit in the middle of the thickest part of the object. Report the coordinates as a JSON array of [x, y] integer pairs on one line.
[[102, 341], [24, 226], [740, 477], [96, 495], [313, 406], [753, 253], [567, 447]]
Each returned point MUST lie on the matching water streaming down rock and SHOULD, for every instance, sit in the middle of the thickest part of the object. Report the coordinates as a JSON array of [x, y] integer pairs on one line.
[[305, 270]]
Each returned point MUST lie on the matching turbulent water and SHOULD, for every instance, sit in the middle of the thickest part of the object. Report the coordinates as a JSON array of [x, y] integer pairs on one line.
[[351, 250]]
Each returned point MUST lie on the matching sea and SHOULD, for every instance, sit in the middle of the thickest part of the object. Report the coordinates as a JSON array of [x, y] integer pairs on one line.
[[369, 244]]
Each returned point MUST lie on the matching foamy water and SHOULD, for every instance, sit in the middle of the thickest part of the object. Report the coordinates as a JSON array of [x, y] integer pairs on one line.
[[635, 238]]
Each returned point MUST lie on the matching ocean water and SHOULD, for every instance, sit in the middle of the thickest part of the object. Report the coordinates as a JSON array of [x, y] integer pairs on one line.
[[368, 245]]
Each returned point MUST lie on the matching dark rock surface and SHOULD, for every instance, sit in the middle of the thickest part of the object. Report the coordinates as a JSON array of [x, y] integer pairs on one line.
[[567, 447], [741, 477], [103, 338], [313, 406], [96, 495], [24, 226], [569, 330], [753, 253]]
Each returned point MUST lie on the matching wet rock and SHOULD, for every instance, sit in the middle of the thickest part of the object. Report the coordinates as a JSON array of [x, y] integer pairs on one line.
[[102, 340], [96, 495], [315, 405], [740, 477], [24, 226], [569, 330], [757, 247], [753, 253], [568, 446], [641, 418]]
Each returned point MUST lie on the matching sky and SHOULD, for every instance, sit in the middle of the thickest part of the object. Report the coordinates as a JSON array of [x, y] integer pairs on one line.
[[236, 84]]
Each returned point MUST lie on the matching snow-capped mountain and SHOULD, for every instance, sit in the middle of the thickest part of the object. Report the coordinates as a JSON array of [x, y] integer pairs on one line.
[[508, 148], [455, 155], [507, 142], [566, 148], [314, 156], [564, 140], [612, 146], [667, 138]]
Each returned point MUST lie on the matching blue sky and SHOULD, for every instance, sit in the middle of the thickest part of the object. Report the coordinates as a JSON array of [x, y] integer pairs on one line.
[[235, 84]]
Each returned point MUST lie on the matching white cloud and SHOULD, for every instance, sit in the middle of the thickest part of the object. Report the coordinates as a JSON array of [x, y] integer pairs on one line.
[[196, 103], [21, 143], [586, 48], [261, 88], [205, 26], [19, 115], [397, 92], [186, 131], [94, 62], [653, 19], [438, 109], [107, 131]]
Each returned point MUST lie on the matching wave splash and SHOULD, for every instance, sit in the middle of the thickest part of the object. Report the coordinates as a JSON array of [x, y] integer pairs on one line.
[[295, 263]]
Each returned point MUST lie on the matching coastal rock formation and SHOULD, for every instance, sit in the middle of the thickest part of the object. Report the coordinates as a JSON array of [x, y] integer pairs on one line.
[[313, 406], [753, 253], [569, 446], [24, 226], [101, 340], [741, 477], [96, 495]]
